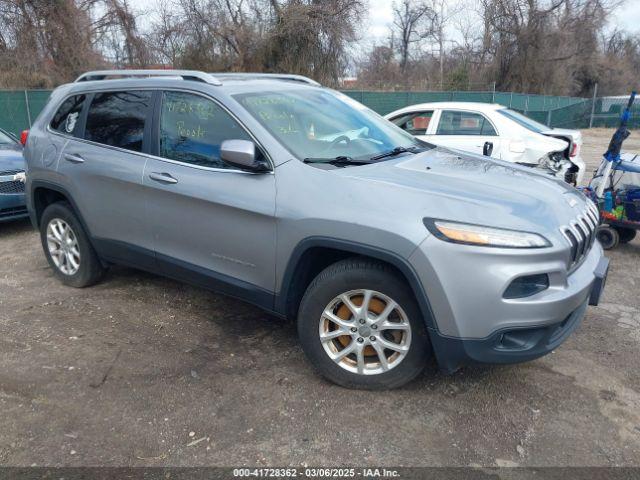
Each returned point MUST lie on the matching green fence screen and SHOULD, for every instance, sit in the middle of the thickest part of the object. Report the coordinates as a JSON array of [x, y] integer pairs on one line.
[[19, 108]]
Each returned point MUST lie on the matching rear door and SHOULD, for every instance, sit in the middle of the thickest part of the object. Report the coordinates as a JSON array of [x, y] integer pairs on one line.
[[212, 224], [464, 130], [103, 171]]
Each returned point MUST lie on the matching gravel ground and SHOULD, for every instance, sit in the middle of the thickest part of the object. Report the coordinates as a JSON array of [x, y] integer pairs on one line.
[[144, 371], [595, 142]]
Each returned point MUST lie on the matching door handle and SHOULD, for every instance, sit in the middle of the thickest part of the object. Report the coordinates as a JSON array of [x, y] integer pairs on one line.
[[162, 177], [70, 157]]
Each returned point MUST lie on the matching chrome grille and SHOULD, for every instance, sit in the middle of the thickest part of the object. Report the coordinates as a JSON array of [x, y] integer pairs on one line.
[[13, 187], [581, 232], [8, 185]]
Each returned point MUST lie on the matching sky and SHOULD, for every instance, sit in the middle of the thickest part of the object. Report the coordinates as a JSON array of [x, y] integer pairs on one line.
[[626, 17]]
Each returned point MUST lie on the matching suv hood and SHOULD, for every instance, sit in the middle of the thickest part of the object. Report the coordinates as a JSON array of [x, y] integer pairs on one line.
[[11, 158], [474, 189]]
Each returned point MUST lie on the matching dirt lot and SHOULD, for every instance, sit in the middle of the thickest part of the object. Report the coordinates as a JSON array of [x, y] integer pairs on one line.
[[595, 142], [141, 370]]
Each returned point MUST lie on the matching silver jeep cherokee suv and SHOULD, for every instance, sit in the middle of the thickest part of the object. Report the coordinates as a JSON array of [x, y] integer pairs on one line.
[[302, 201]]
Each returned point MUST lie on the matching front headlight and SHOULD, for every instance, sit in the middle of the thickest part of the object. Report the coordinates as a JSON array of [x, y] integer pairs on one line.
[[484, 236]]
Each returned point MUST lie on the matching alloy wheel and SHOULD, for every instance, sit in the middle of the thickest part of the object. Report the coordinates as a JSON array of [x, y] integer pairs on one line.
[[365, 332], [62, 243]]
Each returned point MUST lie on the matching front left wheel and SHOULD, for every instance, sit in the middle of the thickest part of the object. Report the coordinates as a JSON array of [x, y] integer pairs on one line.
[[361, 327], [67, 247]]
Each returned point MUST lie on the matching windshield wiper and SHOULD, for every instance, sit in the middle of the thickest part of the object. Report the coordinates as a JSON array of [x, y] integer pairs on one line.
[[339, 161], [394, 152]]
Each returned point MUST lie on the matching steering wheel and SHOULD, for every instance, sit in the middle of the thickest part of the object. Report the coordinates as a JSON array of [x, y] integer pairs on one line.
[[337, 140]]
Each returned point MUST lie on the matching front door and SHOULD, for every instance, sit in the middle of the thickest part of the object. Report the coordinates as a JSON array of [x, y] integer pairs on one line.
[[212, 224]]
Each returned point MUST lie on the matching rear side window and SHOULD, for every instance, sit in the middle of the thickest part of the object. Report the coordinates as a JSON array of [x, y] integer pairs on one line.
[[192, 128], [118, 119], [464, 123], [67, 118]]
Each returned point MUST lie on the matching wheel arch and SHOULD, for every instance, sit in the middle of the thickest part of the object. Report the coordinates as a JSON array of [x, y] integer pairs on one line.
[[42, 194], [314, 254]]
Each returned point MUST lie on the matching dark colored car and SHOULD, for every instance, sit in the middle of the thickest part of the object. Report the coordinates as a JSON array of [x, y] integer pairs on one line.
[[12, 203]]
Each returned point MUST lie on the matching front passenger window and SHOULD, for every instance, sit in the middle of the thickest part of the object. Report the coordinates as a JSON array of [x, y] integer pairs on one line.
[[415, 123], [192, 128]]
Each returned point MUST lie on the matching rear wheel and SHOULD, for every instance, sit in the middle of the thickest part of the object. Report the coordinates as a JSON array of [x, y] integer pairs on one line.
[[361, 328], [608, 237], [67, 247], [625, 234]]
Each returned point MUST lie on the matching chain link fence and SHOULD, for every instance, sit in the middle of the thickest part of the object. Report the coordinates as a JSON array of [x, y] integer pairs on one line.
[[19, 108], [553, 111]]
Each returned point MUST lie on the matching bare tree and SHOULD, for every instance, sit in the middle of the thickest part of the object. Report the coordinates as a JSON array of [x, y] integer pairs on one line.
[[126, 36], [537, 46], [412, 23], [444, 12], [380, 68]]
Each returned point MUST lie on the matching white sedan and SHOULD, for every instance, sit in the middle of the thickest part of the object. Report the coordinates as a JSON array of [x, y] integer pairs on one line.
[[497, 131]]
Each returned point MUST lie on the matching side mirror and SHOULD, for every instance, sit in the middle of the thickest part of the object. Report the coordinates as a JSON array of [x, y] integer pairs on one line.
[[487, 150], [242, 154]]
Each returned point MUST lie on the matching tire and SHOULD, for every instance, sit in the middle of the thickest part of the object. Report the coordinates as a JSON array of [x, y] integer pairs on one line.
[[357, 279], [625, 234], [77, 265], [608, 237]]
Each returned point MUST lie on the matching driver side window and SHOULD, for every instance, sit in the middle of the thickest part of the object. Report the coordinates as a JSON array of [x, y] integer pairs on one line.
[[192, 128], [415, 123]]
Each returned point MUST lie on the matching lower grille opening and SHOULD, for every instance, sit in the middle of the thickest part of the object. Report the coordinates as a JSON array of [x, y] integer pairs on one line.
[[527, 286], [10, 212]]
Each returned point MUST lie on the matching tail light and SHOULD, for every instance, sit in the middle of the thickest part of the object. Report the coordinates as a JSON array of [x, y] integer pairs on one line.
[[23, 137], [574, 150]]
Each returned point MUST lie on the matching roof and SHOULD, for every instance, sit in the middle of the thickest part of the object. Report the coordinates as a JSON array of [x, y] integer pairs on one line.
[[216, 79], [476, 106], [223, 83]]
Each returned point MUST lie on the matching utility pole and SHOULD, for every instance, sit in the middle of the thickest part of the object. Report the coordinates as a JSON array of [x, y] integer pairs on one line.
[[593, 105], [26, 102]]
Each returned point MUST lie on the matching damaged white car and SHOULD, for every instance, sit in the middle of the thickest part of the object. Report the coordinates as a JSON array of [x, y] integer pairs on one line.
[[496, 131]]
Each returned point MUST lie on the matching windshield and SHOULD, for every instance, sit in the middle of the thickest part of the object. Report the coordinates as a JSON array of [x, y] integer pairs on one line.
[[5, 139], [323, 124], [526, 122]]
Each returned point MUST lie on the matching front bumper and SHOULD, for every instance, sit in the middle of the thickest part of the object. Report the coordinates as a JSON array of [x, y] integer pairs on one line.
[[509, 346], [12, 207], [12, 198], [475, 323]]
